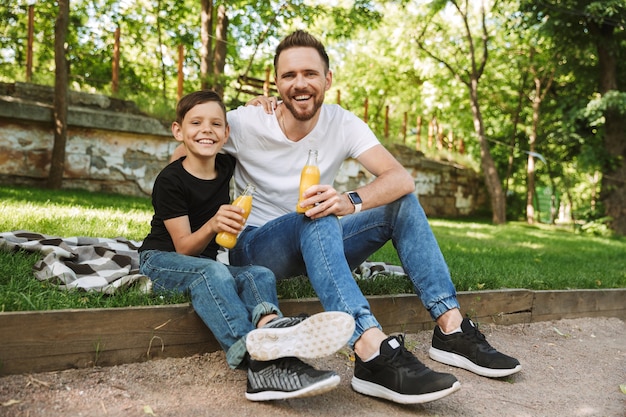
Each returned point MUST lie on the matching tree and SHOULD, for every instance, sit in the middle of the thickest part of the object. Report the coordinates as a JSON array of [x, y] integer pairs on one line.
[[57, 160], [466, 62], [542, 81], [206, 43], [219, 54], [601, 25]]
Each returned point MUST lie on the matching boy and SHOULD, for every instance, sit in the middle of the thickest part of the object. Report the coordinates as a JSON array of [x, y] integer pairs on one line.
[[191, 205]]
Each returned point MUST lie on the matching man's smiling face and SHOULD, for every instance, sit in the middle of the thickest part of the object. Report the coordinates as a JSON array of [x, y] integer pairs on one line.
[[302, 81]]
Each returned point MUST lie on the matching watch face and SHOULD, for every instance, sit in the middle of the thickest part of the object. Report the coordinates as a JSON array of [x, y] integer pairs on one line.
[[354, 197]]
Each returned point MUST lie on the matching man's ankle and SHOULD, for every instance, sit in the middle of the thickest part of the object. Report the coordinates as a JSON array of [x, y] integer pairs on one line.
[[450, 320], [369, 343]]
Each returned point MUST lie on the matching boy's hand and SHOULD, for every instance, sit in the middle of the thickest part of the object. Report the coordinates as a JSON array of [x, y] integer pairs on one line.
[[269, 104], [229, 219]]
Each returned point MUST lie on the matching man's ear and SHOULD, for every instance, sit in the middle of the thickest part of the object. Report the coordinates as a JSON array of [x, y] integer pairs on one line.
[[329, 79], [227, 133]]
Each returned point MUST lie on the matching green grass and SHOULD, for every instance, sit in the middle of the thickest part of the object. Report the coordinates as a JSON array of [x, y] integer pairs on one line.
[[480, 256], [74, 213]]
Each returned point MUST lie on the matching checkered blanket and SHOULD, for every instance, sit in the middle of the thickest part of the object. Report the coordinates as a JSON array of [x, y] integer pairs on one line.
[[87, 263]]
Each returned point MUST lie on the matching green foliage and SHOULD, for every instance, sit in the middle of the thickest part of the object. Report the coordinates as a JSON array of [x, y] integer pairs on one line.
[[374, 57], [612, 101]]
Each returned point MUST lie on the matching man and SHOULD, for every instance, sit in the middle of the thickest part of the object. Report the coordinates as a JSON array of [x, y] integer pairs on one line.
[[342, 230]]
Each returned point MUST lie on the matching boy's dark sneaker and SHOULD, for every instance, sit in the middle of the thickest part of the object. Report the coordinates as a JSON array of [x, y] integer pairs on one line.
[[399, 376], [470, 350], [316, 336], [285, 378]]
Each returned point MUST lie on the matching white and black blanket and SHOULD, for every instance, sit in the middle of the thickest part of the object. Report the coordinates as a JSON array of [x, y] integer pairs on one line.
[[87, 263], [104, 265]]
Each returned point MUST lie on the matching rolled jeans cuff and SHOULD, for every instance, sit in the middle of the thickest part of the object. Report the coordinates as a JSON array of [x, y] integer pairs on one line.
[[441, 306], [237, 352], [264, 309], [363, 323]]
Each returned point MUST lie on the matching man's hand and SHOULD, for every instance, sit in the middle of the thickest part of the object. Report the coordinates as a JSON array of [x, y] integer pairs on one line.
[[326, 201]]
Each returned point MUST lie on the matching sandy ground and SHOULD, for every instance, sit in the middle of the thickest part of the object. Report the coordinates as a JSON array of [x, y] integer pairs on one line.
[[570, 368]]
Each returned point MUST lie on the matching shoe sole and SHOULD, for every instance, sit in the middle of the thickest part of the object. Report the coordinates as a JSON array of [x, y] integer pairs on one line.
[[375, 390], [320, 335], [462, 362], [315, 389]]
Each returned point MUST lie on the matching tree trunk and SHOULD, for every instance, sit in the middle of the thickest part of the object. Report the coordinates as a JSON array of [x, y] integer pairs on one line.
[[532, 142], [219, 61], [613, 194], [206, 50], [160, 51], [115, 69], [492, 179], [57, 160], [515, 122]]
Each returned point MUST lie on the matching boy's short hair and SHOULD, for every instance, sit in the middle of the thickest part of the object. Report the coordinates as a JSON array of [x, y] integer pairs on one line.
[[300, 38], [193, 99]]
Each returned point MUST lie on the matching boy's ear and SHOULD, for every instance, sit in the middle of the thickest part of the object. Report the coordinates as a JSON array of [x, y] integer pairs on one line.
[[177, 132]]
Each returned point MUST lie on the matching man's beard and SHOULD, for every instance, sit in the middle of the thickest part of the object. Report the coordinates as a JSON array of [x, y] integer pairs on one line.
[[303, 117]]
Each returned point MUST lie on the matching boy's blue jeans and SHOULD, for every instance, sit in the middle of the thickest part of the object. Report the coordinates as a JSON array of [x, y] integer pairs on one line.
[[328, 249], [230, 300]]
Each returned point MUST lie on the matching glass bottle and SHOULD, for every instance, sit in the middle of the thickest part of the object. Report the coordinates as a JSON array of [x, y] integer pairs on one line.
[[309, 176], [228, 240]]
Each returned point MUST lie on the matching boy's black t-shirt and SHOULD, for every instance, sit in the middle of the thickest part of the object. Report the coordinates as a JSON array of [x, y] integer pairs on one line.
[[178, 193]]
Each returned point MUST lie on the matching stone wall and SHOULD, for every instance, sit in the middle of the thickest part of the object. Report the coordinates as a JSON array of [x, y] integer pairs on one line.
[[444, 189], [112, 147]]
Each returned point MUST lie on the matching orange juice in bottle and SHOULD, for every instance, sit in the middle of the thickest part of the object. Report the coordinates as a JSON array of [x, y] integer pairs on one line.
[[228, 240], [309, 176]]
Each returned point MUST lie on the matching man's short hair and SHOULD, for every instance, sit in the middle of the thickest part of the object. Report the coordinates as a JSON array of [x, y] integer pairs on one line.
[[300, 38]]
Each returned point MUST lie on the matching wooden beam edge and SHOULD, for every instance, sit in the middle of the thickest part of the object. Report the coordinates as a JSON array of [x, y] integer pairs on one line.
[[39, 341]]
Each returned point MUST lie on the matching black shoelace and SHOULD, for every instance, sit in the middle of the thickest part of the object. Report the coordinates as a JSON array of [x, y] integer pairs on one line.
[[405, 359], [479, 338]]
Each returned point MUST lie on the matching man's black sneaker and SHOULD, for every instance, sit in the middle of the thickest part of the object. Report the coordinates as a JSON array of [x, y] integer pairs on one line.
[[470, 350], [399, 376], [285, 378], [316, 336]]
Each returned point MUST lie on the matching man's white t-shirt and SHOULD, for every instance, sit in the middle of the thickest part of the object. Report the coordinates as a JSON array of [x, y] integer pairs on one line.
[[267, 159]]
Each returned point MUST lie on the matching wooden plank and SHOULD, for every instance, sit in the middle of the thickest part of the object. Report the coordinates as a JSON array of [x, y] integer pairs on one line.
[[498, 307], [405, 312], [556, 305], [63, 339]]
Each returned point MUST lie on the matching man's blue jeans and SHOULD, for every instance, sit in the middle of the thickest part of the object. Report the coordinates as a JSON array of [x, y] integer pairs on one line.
[[328, 249], [230, 300]]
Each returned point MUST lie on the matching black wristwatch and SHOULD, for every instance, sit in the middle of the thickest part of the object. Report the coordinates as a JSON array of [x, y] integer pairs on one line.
[[356, 201]]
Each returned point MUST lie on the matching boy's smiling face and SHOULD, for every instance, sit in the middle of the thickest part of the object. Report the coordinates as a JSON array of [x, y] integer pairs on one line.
[[204, 130]]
